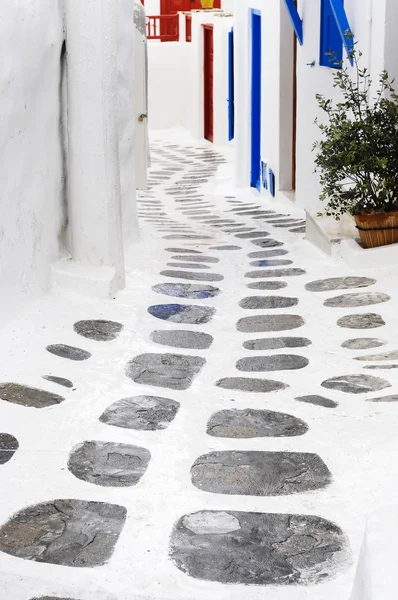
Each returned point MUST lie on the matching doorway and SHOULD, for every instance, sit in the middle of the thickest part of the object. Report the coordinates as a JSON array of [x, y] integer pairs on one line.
[[255, 145], [208, 80]]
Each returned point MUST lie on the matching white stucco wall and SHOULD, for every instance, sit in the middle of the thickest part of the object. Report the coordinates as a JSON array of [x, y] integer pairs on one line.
[[378, 43], [31, 37], [176, 95]]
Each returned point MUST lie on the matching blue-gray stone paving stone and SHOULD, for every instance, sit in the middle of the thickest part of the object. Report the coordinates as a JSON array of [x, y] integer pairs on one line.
[[253, 235], [339, 283], [268, 253], [180, 313], [361, 321], [247, 384], [356, 384], [172, 371], [24, 395], [183, 251], [69, 352], [256, 473], [187, 266], [275, 273], [250, 423], [187, 290], [99, 330], [199, 259], [276, 362], [277, 343], [192, 276], [268, 243], [258, 548], [318, 401], [143, 413], [363, 343], [267, 285], [355, 300], [109, 464], [271, 262], [267, 302], [183, 339], [59, 381], [266, 323], [226, 248], [8, 446], [71, 533], [391, 398]]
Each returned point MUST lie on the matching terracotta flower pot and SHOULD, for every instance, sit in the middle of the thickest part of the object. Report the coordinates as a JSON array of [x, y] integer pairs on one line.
[[207, 3], [378, 230]]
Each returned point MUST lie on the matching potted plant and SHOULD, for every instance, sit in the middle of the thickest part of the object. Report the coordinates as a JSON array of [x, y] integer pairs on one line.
[[357, 157], [207, 3]]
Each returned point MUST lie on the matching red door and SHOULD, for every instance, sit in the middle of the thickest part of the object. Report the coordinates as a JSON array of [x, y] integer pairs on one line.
[[208, 82]]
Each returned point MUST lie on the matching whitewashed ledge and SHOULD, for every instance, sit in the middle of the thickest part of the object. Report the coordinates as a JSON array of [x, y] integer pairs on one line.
[[340, 240], [376, 576]]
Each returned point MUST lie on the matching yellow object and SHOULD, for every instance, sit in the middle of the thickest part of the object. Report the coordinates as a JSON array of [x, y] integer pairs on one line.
[[207, 3]]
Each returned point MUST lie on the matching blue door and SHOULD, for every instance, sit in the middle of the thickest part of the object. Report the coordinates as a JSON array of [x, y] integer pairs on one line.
[[255, 170], [231, 86]]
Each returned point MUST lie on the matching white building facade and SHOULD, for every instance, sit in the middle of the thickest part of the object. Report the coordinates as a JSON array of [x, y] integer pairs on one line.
[[67, 173], [278, 74]]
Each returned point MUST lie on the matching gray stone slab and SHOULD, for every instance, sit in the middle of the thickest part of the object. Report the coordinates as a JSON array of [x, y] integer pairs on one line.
[[271, 262], [258, 548], [355, 300], [143, 413], [263, 323], [299, 229], [268, 253], [198, 259], [276, 362], [392, 355], [361, 321], [391, 398], [339, 283], [381, 367], [187, 237], [71, 533], [248, 473], [182, 251], [187, 290], [180, 313], [363, 343], [356, 384], [246, 384], [8, 446], [183, 339], [268, 273], [172, 371], [231, 247], [69, 352], [51, 598], [192, 276], [24, 395], [267, 243], [187, 266], [267, 302], [267, 285], [59, 381], [249, 423], [318, 401], [109, 464], [277, 343], [253, 235]]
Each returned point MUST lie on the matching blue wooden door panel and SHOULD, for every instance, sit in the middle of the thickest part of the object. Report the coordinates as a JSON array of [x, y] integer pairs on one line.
[[255, 170], [231, 86]]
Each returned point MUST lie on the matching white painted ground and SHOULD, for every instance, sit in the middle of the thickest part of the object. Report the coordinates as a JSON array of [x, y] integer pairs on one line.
[[358, 440]]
